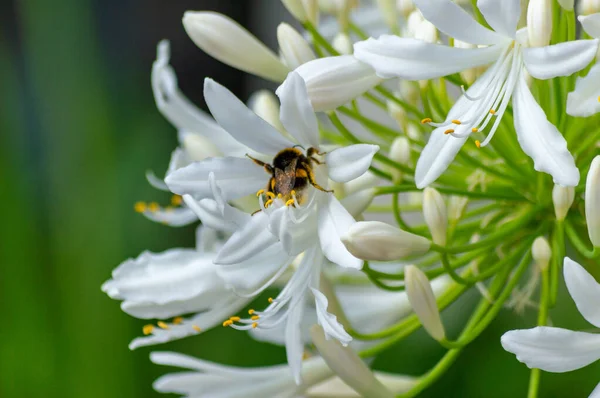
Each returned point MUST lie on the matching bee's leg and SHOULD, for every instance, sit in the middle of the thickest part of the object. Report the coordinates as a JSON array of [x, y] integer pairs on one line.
[[311, 155], [311, 177], [268, 168], [257, 211]]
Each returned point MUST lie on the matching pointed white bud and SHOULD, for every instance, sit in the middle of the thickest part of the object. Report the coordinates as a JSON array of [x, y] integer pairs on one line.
[[436, 215], [567, 4], [563, 199], [422, 300], [399, 152], [294, 48], [426, 31], [587, 7], [388, 11], [342, 44], [412, 23], [311, 7], [348, 366], [303, 10], [456, 207], [592, 201], [405, 7], [197, 147], [378, 241], [334, 81], [539, 22], [265, 104], [541, 252], [397, 112], [224, 39], [413, 132], [409, 91]]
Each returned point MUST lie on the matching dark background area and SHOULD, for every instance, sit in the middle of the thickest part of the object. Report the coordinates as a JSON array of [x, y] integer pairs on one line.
[[78, 129]]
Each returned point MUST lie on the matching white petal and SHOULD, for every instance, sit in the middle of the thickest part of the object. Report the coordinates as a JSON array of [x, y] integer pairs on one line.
[[411, 59], [503, 16], [541, 140], [451, 19], [437, 155], [176, 217], [552, 349], [329, 322], [294, 344], [334, 221], [239, 121], [584, 289], [596, 392], [237, 177], [583, 101], [156, 182], [350, 162], [211, 215], [178, 109], [297, 114], [358, 202], [591, 24], [561, 59], [145, 310], [249, 240]]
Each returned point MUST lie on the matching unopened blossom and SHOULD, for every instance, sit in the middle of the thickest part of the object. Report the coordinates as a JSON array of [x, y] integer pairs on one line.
[[485, 102], [585, 100], [400, 153], [296, 215], [294, 48], [562, 197], [558, 350], [422, 300], [541, 252], [539, 22], [592, 202], [567, 4], [303, 10], [587, 7], [436, 215]]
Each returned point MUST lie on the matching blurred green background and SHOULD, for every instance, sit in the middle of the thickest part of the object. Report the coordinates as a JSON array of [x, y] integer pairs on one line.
[[78, 130]]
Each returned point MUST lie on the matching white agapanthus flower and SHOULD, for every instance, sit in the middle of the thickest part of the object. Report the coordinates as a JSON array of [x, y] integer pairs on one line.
[[171, 284], [296, 213], [487, 99], [585, 99], [206, 379], [559, 350]]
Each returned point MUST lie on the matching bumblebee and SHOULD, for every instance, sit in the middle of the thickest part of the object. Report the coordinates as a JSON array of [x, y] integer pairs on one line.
[[291, 172]]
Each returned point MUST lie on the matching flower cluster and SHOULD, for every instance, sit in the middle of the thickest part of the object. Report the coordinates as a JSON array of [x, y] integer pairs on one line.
[[478, 122]]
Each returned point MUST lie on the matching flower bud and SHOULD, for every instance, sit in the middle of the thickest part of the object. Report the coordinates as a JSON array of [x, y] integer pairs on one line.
[[378, 241], [388, 11], [592, 201], [563, 199], [303, 10], [405, 7], [348, 366], [294, 48], [541, 252], [409, 91], [342, 44], [436, 216], [358, 202], [264, 103], [224, 39], [399, 152], [567, 4], [587, 7], [413, 132], [397, 112], [334, 81], [456, 207], [420, 295], [539, 22], [412, 23], [426, 31]]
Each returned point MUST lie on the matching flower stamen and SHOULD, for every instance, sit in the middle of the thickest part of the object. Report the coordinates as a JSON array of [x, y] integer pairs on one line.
[[426, 120], [147, 329], [162, 325], [140, 207]]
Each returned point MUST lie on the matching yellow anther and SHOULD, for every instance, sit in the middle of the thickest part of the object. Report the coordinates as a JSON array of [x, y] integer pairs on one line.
[[279, 196], [293, 193], [305, 355], [289, 202], [177, 321], [250, 311], [255, 317], [196, 328], [153, 207], [235, 319], [270, 195], [477, 144], [176, 200], [254, 325], [599, 98], [268, 202], [140, 207], [474, 130], [456, 121], [426, 120], [449, 131], [492, 112], [227, 323], [162, 325], [260, 192], [147, 329], [270, 299]]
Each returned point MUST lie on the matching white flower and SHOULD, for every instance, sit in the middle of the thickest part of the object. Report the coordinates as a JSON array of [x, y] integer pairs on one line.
[[485, 101], [592, 201], [584, 100], [173, 283], [560, 350], [562, 199], [298, 215]]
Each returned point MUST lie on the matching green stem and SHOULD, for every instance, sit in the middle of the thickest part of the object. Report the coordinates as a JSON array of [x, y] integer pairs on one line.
[[558, 253], [319, 39], [534, 379], [579, 244], [496, 194]]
